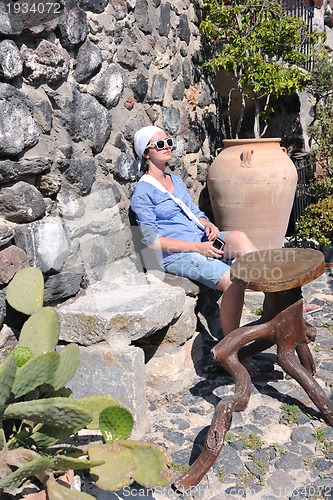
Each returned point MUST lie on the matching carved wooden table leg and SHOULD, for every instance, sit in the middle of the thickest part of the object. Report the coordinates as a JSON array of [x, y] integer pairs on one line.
[[282, 324]]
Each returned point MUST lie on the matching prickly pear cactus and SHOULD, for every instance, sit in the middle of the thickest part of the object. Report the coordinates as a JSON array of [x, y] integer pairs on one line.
[[115, 423], [37, 371], [95, 405], [21, 355], [41, 331], [129, 461], [7, 378], [25, 291], [51, 411]]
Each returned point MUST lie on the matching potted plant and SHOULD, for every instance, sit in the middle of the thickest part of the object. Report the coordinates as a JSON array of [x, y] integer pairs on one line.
[[259, 46], [257, 50]]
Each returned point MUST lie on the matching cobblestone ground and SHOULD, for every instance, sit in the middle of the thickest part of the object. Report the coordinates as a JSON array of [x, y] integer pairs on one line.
[[279, 447]]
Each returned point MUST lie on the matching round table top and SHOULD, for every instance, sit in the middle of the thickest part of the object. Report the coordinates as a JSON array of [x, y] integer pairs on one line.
[[277, 269]]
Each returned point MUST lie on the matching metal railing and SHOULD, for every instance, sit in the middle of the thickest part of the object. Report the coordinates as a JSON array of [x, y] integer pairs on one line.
[[306, 167], [304, 9]]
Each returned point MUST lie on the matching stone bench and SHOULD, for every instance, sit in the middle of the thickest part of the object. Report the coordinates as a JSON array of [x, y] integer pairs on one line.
[[136, 334]]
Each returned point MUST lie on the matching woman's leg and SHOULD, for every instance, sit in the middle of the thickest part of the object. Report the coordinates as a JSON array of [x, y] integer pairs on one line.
[[236, 245]]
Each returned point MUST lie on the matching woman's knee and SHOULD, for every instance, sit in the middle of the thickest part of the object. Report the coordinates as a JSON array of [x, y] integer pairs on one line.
[[238, 243]]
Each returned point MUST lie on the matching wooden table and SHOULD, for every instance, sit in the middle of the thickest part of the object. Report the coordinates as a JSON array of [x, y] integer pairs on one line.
[[278, 273]]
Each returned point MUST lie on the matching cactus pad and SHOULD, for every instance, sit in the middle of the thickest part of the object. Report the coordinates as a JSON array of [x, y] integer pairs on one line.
[[37, 371], [63, 463], [151, 464], [21, 354], [116, 472], [7, 377], [59, 412], [46, 436], [34, 467], [129, 461], [55, 491], [69, 362], [94, 405], [40, 332], [115, 422], [25, 291]]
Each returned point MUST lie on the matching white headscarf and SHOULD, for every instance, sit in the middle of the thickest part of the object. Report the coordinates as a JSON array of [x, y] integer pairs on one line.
[[141, 140]]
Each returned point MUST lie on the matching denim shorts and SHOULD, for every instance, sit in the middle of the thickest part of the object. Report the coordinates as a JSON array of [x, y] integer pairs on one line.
[[197, 267]]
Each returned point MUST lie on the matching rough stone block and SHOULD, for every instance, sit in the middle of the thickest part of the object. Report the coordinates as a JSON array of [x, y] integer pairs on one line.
[[119, 312], [170, 373], [114, 372]]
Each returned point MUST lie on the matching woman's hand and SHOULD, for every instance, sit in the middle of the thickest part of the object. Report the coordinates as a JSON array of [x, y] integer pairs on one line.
[[212, 231], [206, 248]]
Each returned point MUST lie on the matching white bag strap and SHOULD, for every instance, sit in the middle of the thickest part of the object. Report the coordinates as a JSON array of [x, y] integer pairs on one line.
[[151, 180]]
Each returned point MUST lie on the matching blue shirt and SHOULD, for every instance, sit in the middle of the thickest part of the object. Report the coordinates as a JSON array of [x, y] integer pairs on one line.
[[158, 215]]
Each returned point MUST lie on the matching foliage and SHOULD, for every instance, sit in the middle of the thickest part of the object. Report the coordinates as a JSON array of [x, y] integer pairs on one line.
[[321, 186], [316, 222], [320, 81], [37, 411], [261, 45], [322, 135]]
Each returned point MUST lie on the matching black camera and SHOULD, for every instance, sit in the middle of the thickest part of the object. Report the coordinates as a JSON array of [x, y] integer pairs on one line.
[[218, 243]]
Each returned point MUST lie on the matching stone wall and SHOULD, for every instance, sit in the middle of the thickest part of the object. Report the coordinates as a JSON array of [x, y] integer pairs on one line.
[[75, 84]]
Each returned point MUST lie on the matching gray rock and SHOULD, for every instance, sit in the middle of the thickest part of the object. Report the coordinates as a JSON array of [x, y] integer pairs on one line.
[[175, 437], [12, 259], [164, 26], [265, 414], [45, 242], [184, 31], [21, 203], [2, 317], [141, 13], [80, 173], [46, 63], [228, 461], [187, 73], [16, 114], [44, 115], [97, 6], [178, 91], [139, 86], [158, 89], [73, 26], [6, 233], [114, 372], [289, 461], [109, 86], [303, 434], [128, 58], [83, 117], [171, 119], [63, 285], [88, 61], [14, 170], [10, 60], [10, 22], [119, 314], [7, 337], [120, 9], [175, 70], [125, 167]]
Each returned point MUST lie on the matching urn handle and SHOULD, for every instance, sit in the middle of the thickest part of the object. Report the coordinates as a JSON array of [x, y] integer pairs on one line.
[[246, 158]]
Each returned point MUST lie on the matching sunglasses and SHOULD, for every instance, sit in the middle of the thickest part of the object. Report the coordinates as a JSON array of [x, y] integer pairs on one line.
[[161, 143]]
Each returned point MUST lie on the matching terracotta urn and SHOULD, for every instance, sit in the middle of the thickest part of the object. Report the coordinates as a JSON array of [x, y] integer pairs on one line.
[[251, 186]]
